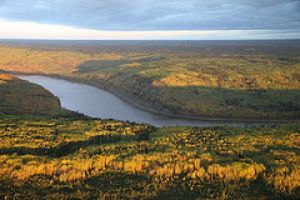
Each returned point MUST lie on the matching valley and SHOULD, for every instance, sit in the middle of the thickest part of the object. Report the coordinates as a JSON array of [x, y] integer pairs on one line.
[[73, 156], [241, 80]]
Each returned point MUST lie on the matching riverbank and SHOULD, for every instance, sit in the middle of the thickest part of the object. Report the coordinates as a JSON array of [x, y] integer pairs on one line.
[[148, 108]]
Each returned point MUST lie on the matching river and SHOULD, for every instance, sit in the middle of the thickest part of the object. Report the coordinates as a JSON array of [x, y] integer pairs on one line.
[[95, 102]]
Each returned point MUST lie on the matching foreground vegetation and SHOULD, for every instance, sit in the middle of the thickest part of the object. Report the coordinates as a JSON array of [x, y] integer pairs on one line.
[[95, 159], [256, 80]]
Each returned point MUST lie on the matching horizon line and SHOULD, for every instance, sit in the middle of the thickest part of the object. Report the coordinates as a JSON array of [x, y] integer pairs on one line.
[[49, 39], [37, 31]]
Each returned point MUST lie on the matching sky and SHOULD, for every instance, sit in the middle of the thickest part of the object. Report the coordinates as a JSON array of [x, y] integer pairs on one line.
[[150, 19]]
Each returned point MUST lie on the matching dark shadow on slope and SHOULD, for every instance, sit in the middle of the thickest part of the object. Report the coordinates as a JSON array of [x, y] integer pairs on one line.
[[71, 147], [98, 66], [21, 97], [136, 186], [66, 148]]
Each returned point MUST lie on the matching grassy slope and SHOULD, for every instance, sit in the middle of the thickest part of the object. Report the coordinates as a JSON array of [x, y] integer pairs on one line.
[[216, 80], [86, 158]]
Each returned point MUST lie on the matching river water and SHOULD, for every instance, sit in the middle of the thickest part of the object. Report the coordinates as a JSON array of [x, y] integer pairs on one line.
[[96, 102]]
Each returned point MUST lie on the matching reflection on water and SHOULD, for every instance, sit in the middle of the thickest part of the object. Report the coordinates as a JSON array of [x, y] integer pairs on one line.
[[95, 102]]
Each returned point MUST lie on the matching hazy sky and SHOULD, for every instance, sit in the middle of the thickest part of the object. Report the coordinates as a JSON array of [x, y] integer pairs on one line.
[[150, 19]]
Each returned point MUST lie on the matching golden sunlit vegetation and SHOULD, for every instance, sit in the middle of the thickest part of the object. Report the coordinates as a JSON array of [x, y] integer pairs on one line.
[[96, 159], [253, 79]]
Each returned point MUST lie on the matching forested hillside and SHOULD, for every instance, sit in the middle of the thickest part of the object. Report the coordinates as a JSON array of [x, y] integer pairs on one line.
[[90, 159], [250, 79], [76, 157], [20, 97]]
